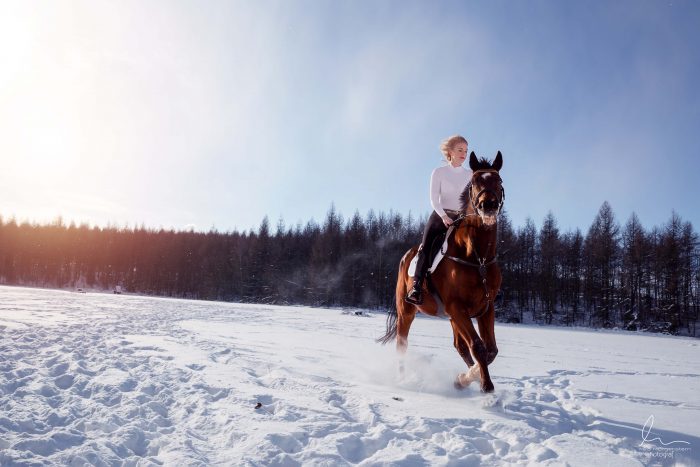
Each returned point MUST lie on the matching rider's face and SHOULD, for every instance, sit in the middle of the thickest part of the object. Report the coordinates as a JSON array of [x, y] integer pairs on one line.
[[458, 154]]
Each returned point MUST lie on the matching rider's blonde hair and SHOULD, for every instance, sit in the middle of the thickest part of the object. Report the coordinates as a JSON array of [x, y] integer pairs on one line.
[[450, 143]]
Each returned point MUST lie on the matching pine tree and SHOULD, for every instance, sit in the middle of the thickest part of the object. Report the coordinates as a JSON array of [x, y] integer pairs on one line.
[[507, 254], [549, 250], [635, 247], [601, 254]]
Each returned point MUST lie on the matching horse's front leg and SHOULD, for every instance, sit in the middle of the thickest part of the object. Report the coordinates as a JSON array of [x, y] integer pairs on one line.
[[464, 379], [465, 328], [488, 333], [461, 346]]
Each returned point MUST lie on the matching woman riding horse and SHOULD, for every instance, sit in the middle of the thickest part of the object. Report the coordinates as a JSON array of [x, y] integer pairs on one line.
[[465, 283], [446, 186]]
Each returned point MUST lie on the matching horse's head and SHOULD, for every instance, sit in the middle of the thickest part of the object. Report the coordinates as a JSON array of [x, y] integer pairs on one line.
[[484, 193]]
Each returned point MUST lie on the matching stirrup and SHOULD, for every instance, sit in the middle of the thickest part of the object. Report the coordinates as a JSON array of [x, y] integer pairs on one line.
[[414, 296]]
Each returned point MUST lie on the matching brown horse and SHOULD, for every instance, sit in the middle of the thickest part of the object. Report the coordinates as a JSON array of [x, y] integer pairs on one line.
[[466, 281]]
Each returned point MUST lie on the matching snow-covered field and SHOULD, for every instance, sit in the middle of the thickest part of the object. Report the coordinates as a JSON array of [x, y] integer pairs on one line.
[[97, 379]]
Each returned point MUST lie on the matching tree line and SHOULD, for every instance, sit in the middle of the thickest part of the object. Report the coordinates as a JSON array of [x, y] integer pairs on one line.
[[613, 276]]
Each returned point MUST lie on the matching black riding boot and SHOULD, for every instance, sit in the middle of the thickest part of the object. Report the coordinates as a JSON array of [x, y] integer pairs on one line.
[[415, 295]]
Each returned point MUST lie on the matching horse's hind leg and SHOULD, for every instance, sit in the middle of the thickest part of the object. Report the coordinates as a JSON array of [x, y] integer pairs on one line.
[[406, 314]]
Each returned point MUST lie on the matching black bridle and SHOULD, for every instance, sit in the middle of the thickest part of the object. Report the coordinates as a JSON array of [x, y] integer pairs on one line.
[[501, 199]]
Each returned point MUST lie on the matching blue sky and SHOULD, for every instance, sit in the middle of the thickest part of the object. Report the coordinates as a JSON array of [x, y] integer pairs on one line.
[[206, 114]]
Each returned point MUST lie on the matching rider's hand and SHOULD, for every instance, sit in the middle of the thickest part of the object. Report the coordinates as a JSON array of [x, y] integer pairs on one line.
[[446, 220]]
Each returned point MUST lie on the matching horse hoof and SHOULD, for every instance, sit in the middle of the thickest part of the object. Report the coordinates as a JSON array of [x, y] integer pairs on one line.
[[462, 381], [487, 387]]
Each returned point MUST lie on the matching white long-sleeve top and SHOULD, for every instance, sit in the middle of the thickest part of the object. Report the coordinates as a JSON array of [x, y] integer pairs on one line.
[[446, 186]]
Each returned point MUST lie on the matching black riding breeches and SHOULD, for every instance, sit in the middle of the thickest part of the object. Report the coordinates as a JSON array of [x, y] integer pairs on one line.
[[433, 227]]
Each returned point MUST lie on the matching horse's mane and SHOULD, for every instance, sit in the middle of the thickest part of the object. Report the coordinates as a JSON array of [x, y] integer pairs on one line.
[[481, 164]]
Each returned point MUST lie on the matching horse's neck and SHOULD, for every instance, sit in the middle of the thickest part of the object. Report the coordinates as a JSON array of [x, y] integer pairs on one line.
[[474, 234]]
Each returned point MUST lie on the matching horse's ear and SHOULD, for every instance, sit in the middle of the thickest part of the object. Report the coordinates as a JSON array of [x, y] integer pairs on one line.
[[497, 162], [473, 163]]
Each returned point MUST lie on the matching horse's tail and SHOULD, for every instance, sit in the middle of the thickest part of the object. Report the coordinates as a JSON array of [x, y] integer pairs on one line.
[[390, 335]]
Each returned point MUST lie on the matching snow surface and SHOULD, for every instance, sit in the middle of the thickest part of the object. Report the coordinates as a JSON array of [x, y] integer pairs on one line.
[[97, 379]]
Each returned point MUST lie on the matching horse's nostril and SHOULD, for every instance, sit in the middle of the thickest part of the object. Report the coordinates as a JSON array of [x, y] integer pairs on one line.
[[490, 204]]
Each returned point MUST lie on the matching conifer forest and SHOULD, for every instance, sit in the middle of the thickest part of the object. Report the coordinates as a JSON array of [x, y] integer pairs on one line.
[[622, 275]]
